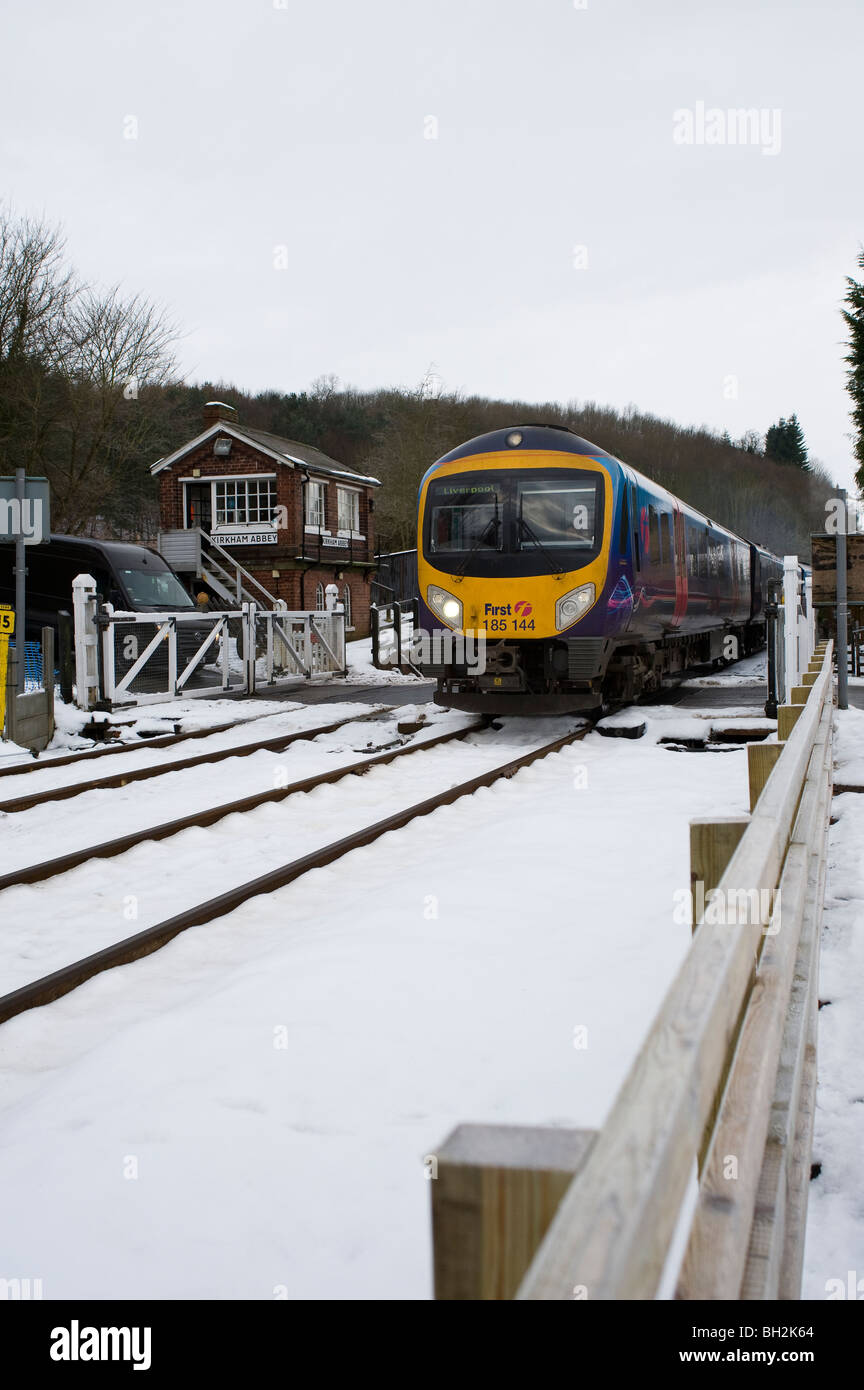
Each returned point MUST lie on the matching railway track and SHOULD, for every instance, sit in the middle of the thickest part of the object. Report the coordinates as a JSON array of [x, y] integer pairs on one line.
[[62, 981], [83, 755], [38, 764], [38, 873], [142, 774]]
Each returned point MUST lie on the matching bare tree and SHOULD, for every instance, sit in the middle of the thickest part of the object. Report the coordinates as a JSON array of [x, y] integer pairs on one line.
[[73, 363], [35, 291]]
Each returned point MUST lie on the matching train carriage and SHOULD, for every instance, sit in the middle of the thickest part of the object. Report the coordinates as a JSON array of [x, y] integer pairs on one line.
[[589, 581]]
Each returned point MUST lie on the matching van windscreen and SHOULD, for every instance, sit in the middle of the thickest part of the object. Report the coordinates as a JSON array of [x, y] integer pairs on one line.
[[153, 588]]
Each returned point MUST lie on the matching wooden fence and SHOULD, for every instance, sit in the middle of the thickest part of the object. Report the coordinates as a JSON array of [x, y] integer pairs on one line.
[[696, 1186]]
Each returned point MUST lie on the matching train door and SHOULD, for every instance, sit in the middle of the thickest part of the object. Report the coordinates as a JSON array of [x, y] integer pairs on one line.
[[634, 524], [680, 567]]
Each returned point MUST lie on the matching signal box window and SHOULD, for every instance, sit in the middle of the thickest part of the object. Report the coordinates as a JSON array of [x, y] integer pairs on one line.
[[315, 505], [245, 501]]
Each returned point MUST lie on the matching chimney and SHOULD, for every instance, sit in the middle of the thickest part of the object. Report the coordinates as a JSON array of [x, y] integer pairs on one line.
[[218, 410]]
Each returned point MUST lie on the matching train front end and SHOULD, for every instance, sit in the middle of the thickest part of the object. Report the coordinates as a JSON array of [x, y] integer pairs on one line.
[[513, 550]]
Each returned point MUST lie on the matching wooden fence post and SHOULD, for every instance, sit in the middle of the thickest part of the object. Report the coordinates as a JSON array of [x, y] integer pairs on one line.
[[495, 1190], [761, 758], [787, 718], [712, 843]]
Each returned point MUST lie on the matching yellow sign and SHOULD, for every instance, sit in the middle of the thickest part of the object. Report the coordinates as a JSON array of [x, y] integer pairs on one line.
[[7, 627]]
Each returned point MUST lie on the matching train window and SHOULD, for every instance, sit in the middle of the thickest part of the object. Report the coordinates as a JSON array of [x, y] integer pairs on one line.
[[467, 517], [655, 554], [550, 515], [670, 536], [622, 535], [634, 514]]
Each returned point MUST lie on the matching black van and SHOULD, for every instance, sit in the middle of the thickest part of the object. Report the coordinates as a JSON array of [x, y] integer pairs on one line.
[[130, 577]]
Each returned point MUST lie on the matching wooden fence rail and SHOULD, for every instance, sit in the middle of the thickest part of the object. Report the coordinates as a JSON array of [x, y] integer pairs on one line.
[[697, 1183]]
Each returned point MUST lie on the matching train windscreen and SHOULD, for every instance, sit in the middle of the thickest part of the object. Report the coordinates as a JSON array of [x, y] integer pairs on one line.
[[552, 514], [465, 517], [514, 522]]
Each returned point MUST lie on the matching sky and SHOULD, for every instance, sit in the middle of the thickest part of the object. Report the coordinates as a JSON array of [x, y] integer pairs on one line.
[[532, 199]]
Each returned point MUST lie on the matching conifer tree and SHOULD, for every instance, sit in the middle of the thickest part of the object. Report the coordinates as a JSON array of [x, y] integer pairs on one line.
[[853, 317], [785, 443]]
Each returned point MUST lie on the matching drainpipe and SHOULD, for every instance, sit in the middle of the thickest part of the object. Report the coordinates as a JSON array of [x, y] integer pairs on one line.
[[305, 477]]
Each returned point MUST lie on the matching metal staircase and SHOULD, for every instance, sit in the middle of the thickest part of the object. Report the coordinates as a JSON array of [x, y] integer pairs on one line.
[[192, 551]]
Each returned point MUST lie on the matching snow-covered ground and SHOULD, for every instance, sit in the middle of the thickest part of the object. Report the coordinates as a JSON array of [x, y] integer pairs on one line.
[[247, 1110], [180, 716], [748, 670], [105, 900], [834, 1255], [362, 672], [135, 725], [286, 719]]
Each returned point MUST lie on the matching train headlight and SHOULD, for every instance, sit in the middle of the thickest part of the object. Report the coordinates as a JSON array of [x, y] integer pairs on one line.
[[445, 605], [571, 606]]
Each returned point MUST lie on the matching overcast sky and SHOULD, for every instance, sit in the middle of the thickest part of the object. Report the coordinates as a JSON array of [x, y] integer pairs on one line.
[[554, 241]]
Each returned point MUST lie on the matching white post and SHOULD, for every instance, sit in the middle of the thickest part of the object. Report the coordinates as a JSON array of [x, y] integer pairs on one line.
[[86, 641], [790, 621], [805, 645], [280, 655], [172, 658], [335, 627], [340, 638], [249, 635], [225, 649]]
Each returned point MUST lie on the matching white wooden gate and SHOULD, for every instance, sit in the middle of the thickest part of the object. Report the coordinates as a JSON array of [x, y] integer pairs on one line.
[[148, 658]]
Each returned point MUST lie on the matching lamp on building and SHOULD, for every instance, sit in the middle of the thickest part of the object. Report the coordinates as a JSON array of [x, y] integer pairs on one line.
[[222, 447]]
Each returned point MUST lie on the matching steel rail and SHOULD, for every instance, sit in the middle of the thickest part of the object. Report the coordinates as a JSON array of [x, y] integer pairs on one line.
[[143, 774], [84, 755], [49, 868], [143, 943], [166, 740]]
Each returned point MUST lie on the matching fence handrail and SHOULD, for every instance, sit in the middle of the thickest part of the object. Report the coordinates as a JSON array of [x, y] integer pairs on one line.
[[242, 578], [613, 1230]]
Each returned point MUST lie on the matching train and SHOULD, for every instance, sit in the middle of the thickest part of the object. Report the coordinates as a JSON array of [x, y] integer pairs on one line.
[[588, 582]]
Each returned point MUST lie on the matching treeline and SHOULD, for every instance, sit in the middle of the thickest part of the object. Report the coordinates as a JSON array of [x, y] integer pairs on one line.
[[396, 434], [89, 397]]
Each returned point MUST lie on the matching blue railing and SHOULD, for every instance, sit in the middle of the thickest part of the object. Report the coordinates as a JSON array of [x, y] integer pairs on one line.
[[32, 664]]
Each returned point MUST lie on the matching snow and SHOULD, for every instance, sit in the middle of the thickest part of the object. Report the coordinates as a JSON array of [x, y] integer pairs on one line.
[[362, 672], [104, 900], [287, 720], [279, 1075], [835, 1225], [134, 724], [246, 1112], [747, 671]]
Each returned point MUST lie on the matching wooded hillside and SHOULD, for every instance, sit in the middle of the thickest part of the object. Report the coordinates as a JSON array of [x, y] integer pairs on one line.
[[89, 397]]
